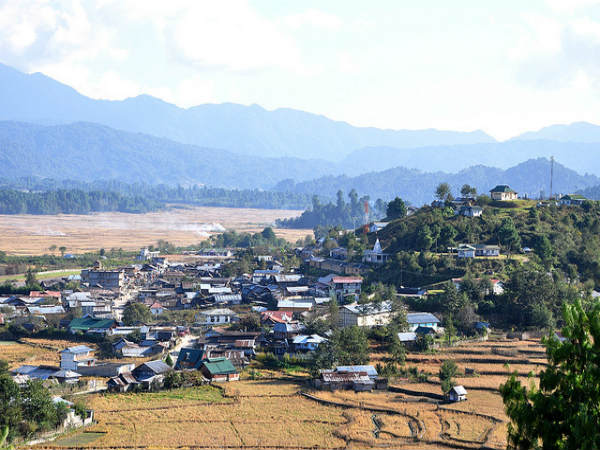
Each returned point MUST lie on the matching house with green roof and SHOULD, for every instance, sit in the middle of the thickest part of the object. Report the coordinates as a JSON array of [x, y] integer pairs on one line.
[[219, 369], [90, 325], [572, 200], [503, 192]]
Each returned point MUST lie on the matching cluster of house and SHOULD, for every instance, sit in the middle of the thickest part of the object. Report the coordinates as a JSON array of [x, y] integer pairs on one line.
[[339, 261], [80, 361]]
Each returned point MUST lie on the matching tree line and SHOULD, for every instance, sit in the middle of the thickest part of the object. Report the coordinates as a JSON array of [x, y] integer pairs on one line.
[[73, 201], [341, 213], [47, 196]]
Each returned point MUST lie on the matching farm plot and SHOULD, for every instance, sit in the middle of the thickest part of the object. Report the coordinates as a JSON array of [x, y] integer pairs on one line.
[[17, 354], [205, 417]]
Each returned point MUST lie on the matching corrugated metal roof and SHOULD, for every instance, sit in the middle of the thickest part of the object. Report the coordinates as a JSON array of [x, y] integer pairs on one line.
[[459, 390], [369, 308], [78, 349], [219, 366], [369, 370], [421, 317]]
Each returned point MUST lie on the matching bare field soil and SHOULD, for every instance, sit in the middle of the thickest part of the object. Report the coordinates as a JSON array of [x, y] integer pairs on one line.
[[32, 235]]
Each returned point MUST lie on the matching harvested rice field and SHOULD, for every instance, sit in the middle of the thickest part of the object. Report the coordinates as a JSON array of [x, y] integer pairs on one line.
[[17, 354], [286, 412]]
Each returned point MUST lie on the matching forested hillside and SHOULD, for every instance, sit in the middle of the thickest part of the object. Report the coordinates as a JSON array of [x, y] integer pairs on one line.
[[564, 259], [86, 151]]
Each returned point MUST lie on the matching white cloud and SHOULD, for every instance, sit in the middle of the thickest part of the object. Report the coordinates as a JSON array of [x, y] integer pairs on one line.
[[555, 53], [228, 35], [568, 6], [313, 18]]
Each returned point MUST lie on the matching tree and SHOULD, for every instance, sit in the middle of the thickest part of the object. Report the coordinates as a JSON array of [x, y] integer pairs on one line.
[[447, 372], [564, 412], [334, 312], [396, 209], [468, 191], [447, 235], [248, 322], [317, 326], [450, 330], [62, 249], [452, 299], [543, 248], [169, 360], [323, 358], [508, 235], [31, 281], [424, 238], [52, 248], [397, 350], [443, 192], [268, 234], [10, 404], [350, 346], [38, 408], [136, 313]]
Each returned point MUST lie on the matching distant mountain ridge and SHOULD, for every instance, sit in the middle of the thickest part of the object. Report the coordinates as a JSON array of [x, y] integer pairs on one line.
[[87, 151], [581, 156], [237, 128], [574, 132], [530, 178]]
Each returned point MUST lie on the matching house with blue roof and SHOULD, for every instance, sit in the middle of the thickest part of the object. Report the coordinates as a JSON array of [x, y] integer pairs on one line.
[[422, 319], [189, 358]]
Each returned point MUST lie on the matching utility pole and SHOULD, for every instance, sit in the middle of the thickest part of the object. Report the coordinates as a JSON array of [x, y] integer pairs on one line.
[[551, 175]]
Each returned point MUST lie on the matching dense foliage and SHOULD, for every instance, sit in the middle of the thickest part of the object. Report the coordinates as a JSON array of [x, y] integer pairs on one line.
[[30, 195], [265, 238], [340, 213], [562, 238], [564, 412], [73, 201], [29, 410]]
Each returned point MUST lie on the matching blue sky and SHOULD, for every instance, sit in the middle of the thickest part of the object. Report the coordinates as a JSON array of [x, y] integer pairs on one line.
[[501, 66]]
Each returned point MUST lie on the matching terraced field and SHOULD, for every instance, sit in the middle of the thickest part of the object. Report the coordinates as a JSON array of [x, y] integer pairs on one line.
[[287, 413]]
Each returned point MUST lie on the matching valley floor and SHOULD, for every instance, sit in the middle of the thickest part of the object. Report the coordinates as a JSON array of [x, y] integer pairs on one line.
[[182, 226]]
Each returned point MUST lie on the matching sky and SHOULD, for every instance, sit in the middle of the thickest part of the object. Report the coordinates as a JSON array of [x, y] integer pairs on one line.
[[501, 66]]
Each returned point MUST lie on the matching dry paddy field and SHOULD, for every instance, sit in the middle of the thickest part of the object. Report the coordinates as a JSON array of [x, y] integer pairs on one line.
[[31, 234], [286, 413]]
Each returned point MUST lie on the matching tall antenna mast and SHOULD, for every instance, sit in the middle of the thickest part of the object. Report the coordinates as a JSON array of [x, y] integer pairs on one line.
[[551, 174]]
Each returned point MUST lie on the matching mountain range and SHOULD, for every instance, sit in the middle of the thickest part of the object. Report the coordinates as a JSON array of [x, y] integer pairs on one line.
[[88, 152], [249, 130], [581, 156], [48, 129]]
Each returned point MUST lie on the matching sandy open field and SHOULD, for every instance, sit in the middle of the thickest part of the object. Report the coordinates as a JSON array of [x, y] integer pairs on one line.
[[29, 234]]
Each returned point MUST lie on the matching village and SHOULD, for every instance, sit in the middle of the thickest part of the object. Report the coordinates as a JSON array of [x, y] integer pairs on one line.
[[301, 320]]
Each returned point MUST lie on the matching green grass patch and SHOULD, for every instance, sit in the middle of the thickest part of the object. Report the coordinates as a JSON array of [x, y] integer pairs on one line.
[[207, 393], [42, 275], [78, 439]]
